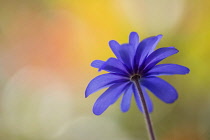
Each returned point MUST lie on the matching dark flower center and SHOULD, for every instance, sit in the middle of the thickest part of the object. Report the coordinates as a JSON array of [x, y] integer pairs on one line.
[[135, 77]]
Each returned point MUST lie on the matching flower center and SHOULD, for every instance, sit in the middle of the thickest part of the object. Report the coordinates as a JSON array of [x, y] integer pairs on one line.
[[134, 77]]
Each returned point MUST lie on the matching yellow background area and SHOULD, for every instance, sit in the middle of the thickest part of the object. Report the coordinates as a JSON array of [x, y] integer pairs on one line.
[[46, 47]]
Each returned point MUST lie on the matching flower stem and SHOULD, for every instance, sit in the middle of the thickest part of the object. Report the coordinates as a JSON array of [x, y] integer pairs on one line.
[[145, 110]]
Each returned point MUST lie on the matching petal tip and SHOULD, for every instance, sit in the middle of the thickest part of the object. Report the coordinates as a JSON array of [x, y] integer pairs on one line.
[[187, 70], [97, 112], [97, 63], [172, 100], [124, 110], [86, 93], [160, 36], [92, 64], [113, 43], [175, 49], [133, 34]]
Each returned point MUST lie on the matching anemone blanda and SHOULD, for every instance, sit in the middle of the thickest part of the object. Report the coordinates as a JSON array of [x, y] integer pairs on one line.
[[134, 59]]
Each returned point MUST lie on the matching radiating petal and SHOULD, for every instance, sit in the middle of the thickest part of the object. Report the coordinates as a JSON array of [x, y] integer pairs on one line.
[[127, 53], [126, 99], [146, 97], [114, 65], [158, 55], [97, 63], [160, 88], [114, 45], [158, 40], [134, 39], [144, 48], [108, 97], [103, 81], [167, 69]]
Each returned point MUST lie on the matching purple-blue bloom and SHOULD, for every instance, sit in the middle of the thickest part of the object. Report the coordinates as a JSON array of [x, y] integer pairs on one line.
[[136, 58]]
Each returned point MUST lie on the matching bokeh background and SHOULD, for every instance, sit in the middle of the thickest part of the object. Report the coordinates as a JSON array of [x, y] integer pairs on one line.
[[46, 47]]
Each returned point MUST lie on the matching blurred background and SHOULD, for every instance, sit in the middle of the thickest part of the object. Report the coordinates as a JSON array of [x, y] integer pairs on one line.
[[46, 47]]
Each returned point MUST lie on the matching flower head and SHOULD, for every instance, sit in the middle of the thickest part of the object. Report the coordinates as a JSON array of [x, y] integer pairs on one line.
[[136, 59]]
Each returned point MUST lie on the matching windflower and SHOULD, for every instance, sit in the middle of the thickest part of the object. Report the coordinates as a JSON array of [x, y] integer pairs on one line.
[[135, 61]]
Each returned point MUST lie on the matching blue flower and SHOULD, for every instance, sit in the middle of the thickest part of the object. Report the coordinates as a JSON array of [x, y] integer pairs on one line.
[[136, 58]]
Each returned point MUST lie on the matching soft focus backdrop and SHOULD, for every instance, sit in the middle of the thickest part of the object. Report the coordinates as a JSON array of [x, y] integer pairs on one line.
[[46, 47]]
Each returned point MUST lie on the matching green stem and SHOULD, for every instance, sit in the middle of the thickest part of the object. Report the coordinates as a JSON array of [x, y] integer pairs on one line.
[[145, 110]]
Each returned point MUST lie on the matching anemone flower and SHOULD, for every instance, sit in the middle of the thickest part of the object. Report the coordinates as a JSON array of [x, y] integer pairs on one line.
[[132, 72]]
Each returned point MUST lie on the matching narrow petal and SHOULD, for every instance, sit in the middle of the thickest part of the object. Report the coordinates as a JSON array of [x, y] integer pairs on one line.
[[158, 55], [114, 65], [167, 69], [144, 48], [160, 88], [97, 63], [127, 53], [126, 99], [134, 39], [108, 97], [146, 97], [153, 47], [103, 81], [114, 45]]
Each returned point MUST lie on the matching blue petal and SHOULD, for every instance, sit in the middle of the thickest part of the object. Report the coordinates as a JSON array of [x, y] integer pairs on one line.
[[146, 97], [114, 65], [160, 88], [126, 99], [158, 55], [144, 48], [127, 53], [167, 69], [97, 63], [158, 40], [103, 81], [134, 39], [114, 45], [108, 97]]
